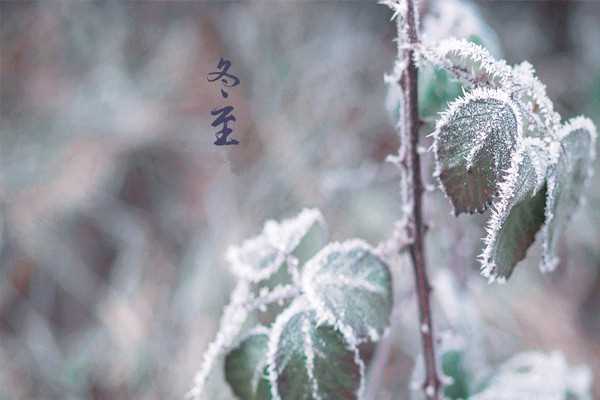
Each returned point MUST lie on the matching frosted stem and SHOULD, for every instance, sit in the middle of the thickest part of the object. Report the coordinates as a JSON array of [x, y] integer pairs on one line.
[[410, 140]]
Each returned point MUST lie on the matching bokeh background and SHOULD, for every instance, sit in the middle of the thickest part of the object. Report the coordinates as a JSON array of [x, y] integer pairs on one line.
[[116, 208]]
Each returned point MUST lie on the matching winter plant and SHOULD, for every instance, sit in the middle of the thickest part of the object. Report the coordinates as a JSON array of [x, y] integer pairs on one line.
[[304, 312]]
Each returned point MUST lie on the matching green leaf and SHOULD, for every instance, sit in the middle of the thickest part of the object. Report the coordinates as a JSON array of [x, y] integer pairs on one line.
[[519, 213], [260, 257], [245, 367], [566, 182], [351, 288], [470, 63], [436, 89], [453, 366], [308, 361], [474, 142]]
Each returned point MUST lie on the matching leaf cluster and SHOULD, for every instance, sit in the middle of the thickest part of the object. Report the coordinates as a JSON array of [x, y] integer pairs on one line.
[[501, 146]]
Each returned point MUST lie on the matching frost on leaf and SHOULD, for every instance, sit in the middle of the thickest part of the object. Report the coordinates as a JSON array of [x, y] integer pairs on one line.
[[519, 212], [470, 63], [566, 182], [538, 376], [260, 257], [246, 367], [350, 287], [474, 142], [530, 93], [231, 323], [311, 361]]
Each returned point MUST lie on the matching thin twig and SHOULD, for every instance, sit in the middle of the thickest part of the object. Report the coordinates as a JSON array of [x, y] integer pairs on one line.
[[415, 227]]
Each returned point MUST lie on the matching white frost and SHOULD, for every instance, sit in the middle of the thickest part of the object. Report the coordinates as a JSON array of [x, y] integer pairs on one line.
[[299, 305], [233, 318], [260, 257], [478, 94], [316, 282], [549, 260], [535, 150]]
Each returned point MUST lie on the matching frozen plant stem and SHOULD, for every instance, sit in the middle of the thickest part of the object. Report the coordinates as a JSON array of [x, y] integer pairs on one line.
[[415, 228]]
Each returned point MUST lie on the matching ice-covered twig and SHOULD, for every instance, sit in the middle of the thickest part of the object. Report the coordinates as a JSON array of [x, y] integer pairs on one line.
[[408, 159]]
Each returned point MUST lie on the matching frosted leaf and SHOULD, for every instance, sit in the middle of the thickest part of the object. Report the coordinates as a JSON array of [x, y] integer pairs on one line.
[[246, 367], [277, 294], [566, 181], [258, 258], [475, 66], [474, 142], [537, 376], [231, 323], [460, 367], [436, 89], [350, 287], [519, 212], [289, 233], [255, 260], [311, 361], [468, 62], [531, 96]]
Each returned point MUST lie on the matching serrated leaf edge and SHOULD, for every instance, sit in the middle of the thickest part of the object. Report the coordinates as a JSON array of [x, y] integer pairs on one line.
[[453, 107], [271, 236], [439, 53], [233, 318], [313, 266], [518, 80], [500, 209], [301, 304]]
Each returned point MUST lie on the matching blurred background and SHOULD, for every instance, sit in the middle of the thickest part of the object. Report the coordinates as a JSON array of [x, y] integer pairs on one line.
[[116, 207]]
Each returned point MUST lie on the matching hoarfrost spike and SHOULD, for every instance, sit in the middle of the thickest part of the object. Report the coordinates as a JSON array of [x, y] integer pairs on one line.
[[474, 141]]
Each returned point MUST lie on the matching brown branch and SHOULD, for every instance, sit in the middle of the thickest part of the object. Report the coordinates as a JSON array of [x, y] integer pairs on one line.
[[415, 226]]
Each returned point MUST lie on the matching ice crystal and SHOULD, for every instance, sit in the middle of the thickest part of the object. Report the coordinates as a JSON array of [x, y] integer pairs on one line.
[[476, 67], [468, 61], [303, 353], [233, 318], [350, 287], [566, 181], [473, 143], [258, 258], [518, 213]]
